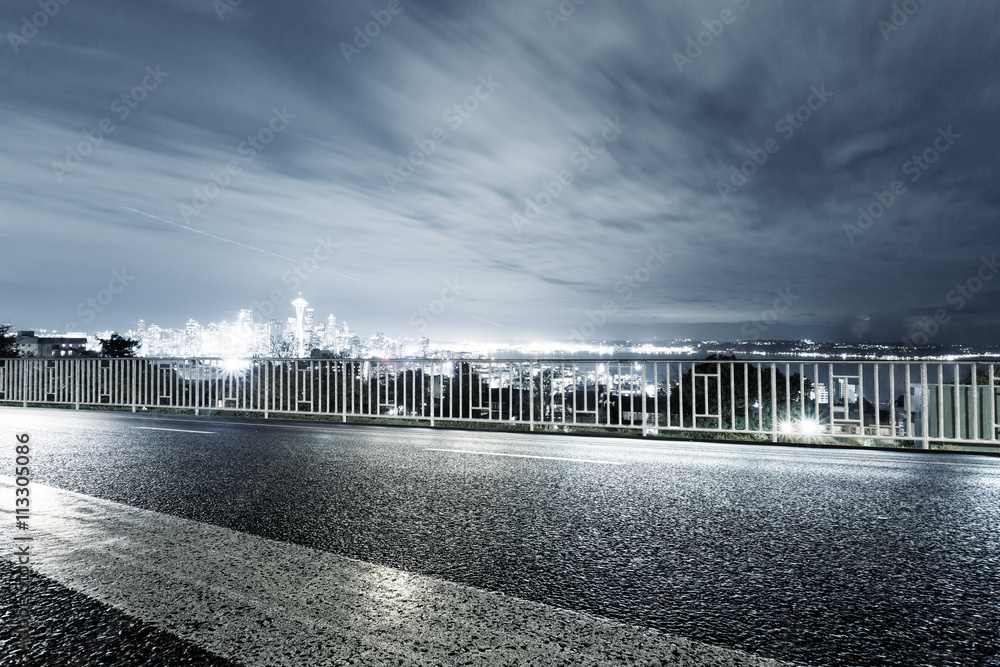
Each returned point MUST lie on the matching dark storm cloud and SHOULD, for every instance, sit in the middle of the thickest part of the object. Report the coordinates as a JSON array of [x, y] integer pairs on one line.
[[533, 91]]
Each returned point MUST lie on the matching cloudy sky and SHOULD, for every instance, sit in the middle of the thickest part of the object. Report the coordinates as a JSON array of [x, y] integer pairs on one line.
[[515, 169]]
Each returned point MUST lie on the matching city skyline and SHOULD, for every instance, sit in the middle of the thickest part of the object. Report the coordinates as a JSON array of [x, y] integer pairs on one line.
[[560, 171], [245, 334]]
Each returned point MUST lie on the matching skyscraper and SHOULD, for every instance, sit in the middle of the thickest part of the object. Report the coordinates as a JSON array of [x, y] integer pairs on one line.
[[275, 335], [330, 336], [192, 338], [309, 328]]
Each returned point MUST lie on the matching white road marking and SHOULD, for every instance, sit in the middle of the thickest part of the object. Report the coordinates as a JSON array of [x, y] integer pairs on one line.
[[177, 430], [890, 459], [525, 456], [728, 449], [258, 601]]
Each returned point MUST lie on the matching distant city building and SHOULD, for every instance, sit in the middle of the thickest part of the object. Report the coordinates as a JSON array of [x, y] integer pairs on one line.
[[309, 328], [846, 390], [192, 338], [51, 345], [331, 329], [275, 333]]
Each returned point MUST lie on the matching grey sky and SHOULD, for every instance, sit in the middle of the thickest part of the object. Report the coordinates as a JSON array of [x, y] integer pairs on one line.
[[675, 117]]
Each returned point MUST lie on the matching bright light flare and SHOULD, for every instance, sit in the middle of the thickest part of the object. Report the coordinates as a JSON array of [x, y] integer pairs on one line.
[[809, 427], [806, 427], [234, 365]]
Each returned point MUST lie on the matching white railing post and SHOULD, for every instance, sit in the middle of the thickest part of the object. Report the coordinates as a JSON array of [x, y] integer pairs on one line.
[[531, 395], [774, 402], [925, 407], [265, 365], [975, 403]]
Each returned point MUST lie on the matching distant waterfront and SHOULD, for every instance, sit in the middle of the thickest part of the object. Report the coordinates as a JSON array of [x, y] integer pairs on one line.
[[744, 350]]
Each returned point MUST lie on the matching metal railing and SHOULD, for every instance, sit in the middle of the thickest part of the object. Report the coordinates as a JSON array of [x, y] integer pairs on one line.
[[910, 402]]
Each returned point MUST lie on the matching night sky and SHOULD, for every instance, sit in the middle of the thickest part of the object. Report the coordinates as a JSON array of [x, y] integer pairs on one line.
[[381, 175]]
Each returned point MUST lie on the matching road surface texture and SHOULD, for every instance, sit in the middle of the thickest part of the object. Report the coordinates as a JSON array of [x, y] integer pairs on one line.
[[376, 545]]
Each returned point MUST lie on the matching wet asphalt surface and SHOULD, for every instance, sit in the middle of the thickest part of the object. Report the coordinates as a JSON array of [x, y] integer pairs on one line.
[[823, 557], [68, 628]]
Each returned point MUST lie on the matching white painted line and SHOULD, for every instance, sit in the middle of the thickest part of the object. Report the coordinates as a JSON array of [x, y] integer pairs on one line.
[[177, 430], [722, 449], [888, 459], [525, 456], [262, 602]]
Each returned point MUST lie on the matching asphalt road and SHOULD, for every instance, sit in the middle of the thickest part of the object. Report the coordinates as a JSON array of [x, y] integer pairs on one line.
[[822, 557]]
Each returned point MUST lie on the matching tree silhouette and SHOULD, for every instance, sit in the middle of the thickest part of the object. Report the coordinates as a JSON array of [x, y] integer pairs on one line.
[[983, 375], [8, 343], [118, 347], [752, 409]]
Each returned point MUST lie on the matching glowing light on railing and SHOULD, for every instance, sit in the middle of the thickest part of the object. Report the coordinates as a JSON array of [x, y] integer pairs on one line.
[[806, 427], [809, 427], [235, 365]]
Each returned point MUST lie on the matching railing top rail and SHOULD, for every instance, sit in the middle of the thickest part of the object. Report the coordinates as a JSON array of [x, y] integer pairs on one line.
[[558, 360]]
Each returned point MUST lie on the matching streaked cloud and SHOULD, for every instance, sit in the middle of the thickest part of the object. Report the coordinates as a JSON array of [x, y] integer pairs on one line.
[[657, 183]]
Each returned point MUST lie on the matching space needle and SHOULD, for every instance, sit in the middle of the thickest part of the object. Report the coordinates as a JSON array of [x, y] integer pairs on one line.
[[300, 309]]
